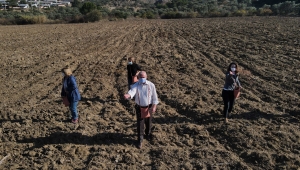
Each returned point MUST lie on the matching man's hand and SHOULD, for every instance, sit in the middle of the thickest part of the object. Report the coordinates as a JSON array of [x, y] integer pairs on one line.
[[153, 108], [127, 96]]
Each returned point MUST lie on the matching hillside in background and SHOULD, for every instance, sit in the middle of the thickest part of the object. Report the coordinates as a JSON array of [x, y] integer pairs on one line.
[[95, 10], [254, 3], [260, 3]]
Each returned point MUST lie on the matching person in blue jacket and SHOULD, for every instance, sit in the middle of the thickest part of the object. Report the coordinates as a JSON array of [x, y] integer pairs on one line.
[[70, 90]]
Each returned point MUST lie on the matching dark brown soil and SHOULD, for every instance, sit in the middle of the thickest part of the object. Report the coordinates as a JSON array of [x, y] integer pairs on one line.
[[186, 60]]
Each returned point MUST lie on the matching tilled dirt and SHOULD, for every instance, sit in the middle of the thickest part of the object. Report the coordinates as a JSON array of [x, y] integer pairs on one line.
[[186, 60]]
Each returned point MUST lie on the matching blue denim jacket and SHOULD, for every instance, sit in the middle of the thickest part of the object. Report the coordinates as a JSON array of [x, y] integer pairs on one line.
[[70, 89]]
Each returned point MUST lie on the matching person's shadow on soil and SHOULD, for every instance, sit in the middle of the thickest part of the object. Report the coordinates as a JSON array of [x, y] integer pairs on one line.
[[78, 138], [84, 100], [93, 100], [289, 116]]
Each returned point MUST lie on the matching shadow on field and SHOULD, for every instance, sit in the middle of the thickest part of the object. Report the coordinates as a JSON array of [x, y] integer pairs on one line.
[[190, 116], [172, 119], [95, 99], [85, 100], [294, 113], [78, 138], [12, 121], [290, 116], [237, 139]]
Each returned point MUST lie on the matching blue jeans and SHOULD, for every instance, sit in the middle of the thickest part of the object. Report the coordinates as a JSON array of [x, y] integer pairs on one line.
[[73, 109]]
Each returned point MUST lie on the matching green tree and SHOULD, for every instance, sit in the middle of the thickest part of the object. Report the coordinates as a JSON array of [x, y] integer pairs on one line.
[[248, 2], [286, 7], [87, 7], [212, 5], [297, 9], [13, 3], [23, 2], [275, 9], [76, 3], [119, 14], [176, 3], [148, 15], [104, 11], [94, 16]]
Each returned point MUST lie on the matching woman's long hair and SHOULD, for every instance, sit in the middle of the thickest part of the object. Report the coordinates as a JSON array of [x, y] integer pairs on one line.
[[236, 68]]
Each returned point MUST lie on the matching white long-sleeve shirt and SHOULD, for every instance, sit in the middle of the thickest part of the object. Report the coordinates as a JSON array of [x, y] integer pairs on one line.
[[147, 93]]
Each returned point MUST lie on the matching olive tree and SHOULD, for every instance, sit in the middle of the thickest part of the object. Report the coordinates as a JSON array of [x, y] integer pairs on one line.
[[87, 7]]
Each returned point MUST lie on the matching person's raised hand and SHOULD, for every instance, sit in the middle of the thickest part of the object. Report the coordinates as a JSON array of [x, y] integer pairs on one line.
[[127, 96]]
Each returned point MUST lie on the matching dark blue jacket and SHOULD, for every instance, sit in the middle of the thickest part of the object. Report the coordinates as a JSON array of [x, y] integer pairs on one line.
[[70, 89], [231, 82]]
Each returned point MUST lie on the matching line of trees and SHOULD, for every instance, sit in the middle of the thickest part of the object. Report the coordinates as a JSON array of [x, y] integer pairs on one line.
[[223, 8], [260, 3], [95, 10]]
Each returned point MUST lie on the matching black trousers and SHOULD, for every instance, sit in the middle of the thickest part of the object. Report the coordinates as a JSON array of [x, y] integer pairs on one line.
[[142, 122], [129, 82], [228, 99]]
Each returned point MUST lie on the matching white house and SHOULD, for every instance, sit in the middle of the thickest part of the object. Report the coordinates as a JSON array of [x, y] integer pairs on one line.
[[66, 3], [23, 6], [33, 3], [3, 2]]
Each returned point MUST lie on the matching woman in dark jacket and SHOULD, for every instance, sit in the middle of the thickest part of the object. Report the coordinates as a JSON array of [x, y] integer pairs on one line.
[[132, 71], [70, 90], [231, 82]]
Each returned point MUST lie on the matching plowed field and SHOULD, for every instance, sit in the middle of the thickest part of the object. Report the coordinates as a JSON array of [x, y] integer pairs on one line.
[[186, 60]]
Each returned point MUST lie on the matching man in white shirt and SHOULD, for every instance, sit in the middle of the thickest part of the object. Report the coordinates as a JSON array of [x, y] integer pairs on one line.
[[145, 95]]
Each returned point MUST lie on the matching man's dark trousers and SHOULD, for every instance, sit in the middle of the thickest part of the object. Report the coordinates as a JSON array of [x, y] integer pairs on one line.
[[142, 122]]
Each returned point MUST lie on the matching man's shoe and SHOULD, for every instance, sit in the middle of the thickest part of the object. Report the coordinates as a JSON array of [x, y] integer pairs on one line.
[[148, 137], [140, 145], [74, 120], [226, 120]]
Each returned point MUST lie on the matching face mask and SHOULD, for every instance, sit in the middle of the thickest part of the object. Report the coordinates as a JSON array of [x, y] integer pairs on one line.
[[142, 80], [233, 69], [130, 63]]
